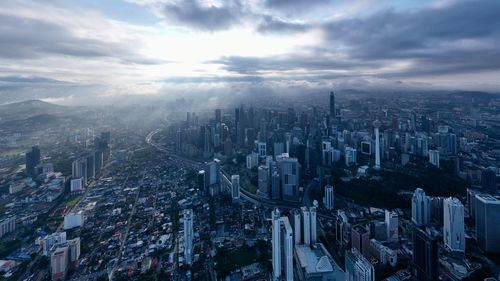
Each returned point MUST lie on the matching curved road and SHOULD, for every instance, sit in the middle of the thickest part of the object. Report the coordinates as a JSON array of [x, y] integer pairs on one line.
[[245, 194]]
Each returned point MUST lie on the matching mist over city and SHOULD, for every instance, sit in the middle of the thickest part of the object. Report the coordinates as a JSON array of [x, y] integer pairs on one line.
[[228, 140]]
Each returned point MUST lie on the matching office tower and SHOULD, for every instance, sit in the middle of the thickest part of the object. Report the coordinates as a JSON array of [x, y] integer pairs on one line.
[[79, 169], [436, 205], [287, 240], [202, 182], [332, 105], [32, 160], [276, 244], [235, 190], [378, 230], [98, 157], [297, 225], [282, 247], [278, 148], [252, 160], [213, 170], [275, 185], [425, 255], [391, 222], [471, 203], [420, 208], [357, 267], [488, 223], [289, 172], [59, 262], [263, 181], [350, 156], [488, 180], [327, 153], [360, 239], [262, 149], [306, 222], [90, 166], [434, 157], [376, 126], [453, 228], [218, 115], [314, 232], [329, 197], [188, 236]]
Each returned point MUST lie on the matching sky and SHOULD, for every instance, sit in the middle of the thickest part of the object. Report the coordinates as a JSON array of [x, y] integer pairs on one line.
[[70, 51]]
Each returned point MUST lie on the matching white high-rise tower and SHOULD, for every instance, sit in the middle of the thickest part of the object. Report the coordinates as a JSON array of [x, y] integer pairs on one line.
[[420, 208], [376, 125], [453, 224], [329, 197], [306, 219], [276, 244]]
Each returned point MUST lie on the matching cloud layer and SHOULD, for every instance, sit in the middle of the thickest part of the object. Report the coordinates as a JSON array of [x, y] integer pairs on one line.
[[56, 48]]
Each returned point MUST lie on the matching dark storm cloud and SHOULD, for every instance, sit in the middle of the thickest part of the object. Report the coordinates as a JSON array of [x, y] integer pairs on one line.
[[27, 38], [457, 38], [453, 37], [248, 65], [210, 18], [271, 24]]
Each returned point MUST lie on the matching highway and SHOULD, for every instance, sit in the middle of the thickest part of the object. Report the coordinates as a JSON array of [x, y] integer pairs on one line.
[[244, 193]]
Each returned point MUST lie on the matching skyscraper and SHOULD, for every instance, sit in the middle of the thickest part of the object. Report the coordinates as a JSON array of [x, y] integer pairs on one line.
[[287, 240], [434, 157], [297, 225], [235, 190], [32, 159], [289, 171], [79, 169], [420, 208], [357, 267], [453, 228], [360, 239], [276, 244], [425, 255], [306, 222], [488, 223], [488, 180], [376, 126], [391, 222], [314, 232], [188, 236], [332, 105], [329, 197], [282, 247], [263, 181]]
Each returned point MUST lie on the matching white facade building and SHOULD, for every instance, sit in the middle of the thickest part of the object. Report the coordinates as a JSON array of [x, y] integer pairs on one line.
[[453, 224], [72, 220], [420, 208]]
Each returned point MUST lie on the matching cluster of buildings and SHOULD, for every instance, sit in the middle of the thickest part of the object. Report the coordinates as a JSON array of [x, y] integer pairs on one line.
[[295, 241], [86, 168]]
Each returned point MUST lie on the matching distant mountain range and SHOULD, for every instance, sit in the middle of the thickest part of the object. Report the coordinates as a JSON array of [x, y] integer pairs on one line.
[[29, 108]]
